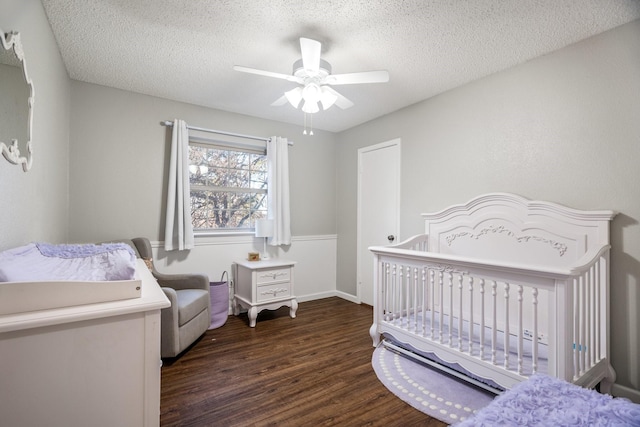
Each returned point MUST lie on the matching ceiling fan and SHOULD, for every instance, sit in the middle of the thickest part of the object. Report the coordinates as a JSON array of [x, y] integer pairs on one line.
[[313, 74]]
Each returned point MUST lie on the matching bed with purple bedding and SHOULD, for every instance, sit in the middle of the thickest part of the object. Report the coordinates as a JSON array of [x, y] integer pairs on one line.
[[547, 401], [40, 276]]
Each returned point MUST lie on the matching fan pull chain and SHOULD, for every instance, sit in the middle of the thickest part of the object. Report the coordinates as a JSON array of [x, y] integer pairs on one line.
[[304, 132]]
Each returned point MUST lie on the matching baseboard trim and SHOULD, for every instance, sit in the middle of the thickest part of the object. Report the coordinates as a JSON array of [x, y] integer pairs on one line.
[[348, 297], [328, 294]]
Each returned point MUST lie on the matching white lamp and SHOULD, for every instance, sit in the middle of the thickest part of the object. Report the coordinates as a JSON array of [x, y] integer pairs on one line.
[[264, 228]]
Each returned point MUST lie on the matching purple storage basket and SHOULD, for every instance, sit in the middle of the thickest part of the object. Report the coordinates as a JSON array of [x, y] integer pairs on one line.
[[219, 294]]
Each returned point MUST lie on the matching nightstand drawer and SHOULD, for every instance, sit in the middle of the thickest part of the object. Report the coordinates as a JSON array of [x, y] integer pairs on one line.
[[273, 275], [276, 290]]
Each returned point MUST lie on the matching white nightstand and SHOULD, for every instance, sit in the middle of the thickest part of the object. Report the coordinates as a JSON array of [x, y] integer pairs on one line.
[[261, 285]]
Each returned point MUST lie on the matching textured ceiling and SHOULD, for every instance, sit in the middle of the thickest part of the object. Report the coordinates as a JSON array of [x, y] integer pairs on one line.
[[184, 50]]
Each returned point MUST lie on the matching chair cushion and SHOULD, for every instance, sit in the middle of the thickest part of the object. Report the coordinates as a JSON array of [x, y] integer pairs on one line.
[[190, 303]]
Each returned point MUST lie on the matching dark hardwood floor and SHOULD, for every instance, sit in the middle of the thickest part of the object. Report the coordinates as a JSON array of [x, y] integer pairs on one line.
[[311, 370]]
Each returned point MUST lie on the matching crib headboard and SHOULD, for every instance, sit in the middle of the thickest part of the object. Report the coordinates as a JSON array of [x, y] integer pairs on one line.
[[508, 227]]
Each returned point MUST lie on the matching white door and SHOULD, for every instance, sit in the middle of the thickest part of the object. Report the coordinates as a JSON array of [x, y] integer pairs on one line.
[[378, 207]]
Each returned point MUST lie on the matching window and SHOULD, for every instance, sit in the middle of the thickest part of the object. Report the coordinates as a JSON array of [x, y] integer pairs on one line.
[[228, 187]]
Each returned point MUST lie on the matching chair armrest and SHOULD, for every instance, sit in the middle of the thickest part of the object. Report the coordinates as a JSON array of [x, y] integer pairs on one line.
[[183, 281], [173, 299], [170, 335]]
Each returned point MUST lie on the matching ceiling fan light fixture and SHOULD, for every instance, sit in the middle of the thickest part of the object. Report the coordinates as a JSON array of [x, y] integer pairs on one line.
[[310, 107], [311, 93], [294, 96], [327, 98]]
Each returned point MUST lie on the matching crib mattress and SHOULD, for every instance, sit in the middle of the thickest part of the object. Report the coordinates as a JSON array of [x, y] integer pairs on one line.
[[450, 331]]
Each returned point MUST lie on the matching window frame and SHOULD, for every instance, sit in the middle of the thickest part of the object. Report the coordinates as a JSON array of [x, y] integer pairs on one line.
[[233, 146]]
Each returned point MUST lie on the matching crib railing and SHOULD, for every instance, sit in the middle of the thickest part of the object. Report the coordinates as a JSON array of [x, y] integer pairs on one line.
[[504, 322]]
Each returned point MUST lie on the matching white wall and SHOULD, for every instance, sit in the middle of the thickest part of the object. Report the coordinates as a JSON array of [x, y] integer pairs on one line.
[[34, 204], [564, 127], [315, 256], [118, 163], [120, 154]]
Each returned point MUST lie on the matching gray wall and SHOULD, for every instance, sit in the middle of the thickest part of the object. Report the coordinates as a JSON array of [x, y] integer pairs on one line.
[[119, 157], [564, 127], [34, 204]]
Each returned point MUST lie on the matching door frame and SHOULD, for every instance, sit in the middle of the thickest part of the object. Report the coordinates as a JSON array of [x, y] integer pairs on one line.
[[359, 261]]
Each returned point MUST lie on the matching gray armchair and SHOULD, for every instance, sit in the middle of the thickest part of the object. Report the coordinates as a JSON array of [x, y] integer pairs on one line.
[[189, 315]]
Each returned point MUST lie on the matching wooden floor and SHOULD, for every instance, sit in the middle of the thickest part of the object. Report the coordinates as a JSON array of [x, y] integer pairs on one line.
[[311, 370]]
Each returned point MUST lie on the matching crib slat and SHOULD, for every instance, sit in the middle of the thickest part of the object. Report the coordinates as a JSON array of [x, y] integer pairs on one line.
[[581, 318], [403, 296], [598, 319], [425, 293], [587, 332], [419, 289], [506, 325], [415, 304], [520, 330], [411, 297], [387, 288], [494, 327], [576, 326], [460, 307], [534, 352], [432, 274], [440, 327], [450, 314], [482, 301], [433, 302], [395, 285], [594, 325], [471, 315]]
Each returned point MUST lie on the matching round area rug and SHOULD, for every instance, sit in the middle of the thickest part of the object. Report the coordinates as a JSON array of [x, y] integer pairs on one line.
[[428, 390]]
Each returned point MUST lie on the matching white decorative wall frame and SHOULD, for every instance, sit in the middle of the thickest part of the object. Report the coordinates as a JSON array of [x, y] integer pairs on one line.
[[12, 54]]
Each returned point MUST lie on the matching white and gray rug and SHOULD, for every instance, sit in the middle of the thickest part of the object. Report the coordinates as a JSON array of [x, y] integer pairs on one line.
[[437, 394]]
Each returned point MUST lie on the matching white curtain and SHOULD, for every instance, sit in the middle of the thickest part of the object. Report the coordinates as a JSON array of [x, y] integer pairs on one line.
[[278, 193], [178, 234]]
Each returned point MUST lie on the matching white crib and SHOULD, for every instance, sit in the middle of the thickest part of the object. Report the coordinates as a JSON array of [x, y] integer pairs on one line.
[[491, 275]]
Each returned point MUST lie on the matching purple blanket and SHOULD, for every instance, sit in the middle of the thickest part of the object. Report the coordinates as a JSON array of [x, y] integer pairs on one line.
[[45, 262], [546, 401], [81, 251]]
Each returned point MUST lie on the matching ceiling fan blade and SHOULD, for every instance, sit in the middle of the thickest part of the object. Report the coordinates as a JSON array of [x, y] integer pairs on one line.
[[310, 50], [288, 77], [341, 100], [381, 76], [280, 101]]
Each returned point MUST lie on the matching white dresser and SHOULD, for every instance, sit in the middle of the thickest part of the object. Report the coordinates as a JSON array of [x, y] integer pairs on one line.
[[266, 284], [86, 365]]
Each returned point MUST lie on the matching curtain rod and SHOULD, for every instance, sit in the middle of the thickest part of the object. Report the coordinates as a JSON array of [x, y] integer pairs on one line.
[[220, 132]]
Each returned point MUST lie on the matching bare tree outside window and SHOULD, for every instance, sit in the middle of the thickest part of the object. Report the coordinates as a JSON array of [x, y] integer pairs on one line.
[[228, 188]]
